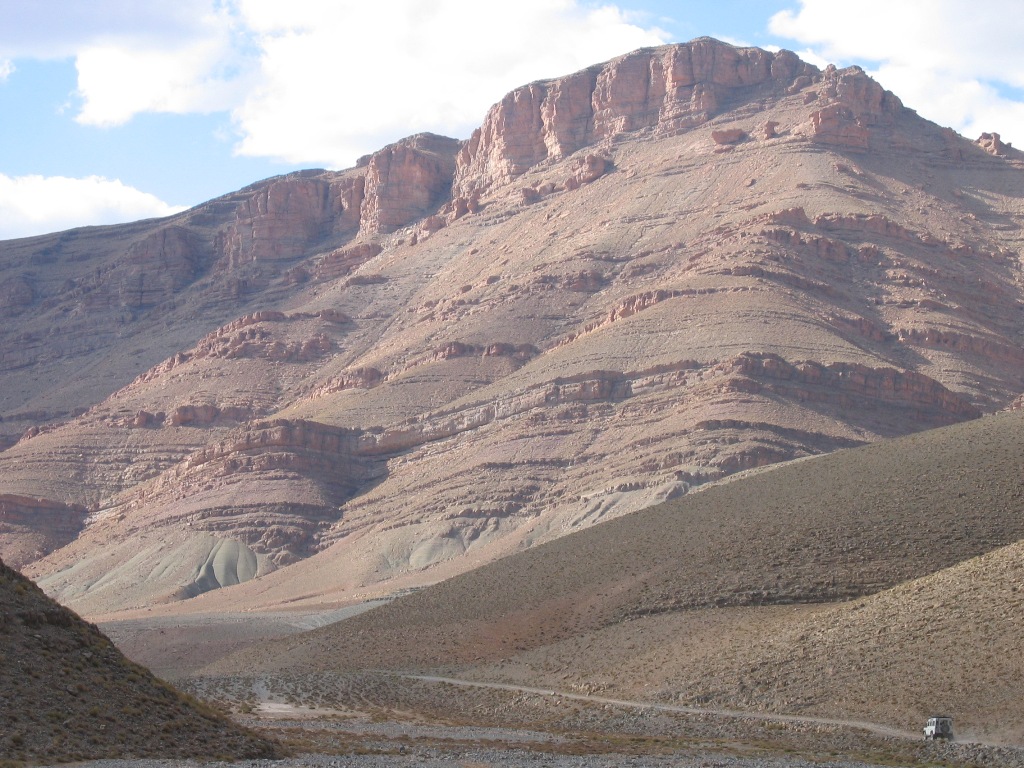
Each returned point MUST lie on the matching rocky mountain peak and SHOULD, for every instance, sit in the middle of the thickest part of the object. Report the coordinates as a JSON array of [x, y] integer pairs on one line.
[[665, 90], [689, 261]]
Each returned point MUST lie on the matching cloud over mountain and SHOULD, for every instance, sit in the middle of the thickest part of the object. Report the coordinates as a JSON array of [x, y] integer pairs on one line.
[[957, 64], [290, 75], [29, 204]]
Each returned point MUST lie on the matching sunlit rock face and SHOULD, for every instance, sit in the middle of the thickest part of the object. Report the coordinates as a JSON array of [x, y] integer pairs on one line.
[[687, 262]]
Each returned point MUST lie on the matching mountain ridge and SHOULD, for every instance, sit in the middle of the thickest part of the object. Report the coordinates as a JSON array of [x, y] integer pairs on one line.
[[357, 376]]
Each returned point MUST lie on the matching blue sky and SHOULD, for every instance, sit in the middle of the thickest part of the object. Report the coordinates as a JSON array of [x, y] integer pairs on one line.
[[114, 110]]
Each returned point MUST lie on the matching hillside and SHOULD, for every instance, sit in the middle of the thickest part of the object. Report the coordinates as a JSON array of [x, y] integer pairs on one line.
[[631, 281], [878, 583], [67, 694], [947, 642]]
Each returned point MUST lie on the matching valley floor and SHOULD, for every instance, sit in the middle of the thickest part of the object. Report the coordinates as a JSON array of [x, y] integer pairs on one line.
[[483, 757], [565, 733], [375, 718]]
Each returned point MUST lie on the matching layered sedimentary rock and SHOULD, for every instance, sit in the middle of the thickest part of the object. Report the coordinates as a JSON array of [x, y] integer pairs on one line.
[[281, 219], [273, 485], [687, 262], [851, 104], [32, 527], [407, 181], [668, 89]]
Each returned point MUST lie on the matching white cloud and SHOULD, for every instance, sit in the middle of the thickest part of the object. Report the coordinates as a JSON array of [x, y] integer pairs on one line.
[[57, 29], [118, 82], [316, 81], [34, 205], [342, 79], [6, 69], [956, 63], [178, 57]]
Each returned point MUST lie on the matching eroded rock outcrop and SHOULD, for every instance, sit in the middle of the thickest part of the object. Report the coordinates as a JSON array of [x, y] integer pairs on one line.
[[249, 337], [585, 170], [282, 218], [160, 265], [991, 350], [993, 144], [358, 378], [592, 387], [669, 89], [521, 352], [36, 526], [197, 416], [407, 180], [843, 384], [342, 261], [296, 474], [728, 136], [852, 104], [260, 343]]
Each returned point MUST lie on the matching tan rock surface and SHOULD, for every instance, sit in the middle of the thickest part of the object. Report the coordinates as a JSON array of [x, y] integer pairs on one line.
[[668, 89], [407, 181], [658, 314]]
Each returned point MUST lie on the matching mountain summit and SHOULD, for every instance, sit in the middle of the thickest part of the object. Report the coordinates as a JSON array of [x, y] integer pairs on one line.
[[683, 263]]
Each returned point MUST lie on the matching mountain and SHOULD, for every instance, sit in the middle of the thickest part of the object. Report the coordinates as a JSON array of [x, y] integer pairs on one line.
[[67, 694], [883, 583], [684, 263]]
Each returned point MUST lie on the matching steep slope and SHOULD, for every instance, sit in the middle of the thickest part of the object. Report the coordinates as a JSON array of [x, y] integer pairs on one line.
[[686, 262], [947, 642], [87, 310], [898, 596], [826, 529], [67, 694]]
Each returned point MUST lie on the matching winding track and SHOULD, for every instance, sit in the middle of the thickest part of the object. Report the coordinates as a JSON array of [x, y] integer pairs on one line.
[[881, 730]]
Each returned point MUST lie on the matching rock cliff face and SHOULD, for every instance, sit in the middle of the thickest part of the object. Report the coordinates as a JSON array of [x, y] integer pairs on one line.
[[630, 281], [296, 474], [851, 104], [666, 89], [407, 181], [283, 218], [159, 266]]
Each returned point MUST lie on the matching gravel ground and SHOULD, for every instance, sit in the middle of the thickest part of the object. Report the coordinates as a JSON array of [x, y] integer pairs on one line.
[[479, 758], [371, 719]]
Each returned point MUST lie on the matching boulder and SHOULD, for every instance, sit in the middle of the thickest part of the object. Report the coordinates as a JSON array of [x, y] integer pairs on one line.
[[728, 136]]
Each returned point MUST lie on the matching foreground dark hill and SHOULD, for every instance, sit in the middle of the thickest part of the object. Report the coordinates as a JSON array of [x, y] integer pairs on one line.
[[633, 280], [875, 583], [66, 693]]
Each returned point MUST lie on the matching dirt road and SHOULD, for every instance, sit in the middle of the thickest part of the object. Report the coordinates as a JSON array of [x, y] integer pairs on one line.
[[880, 730]]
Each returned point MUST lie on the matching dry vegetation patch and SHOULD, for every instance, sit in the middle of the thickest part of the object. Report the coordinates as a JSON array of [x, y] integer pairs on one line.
[[66, 693]]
